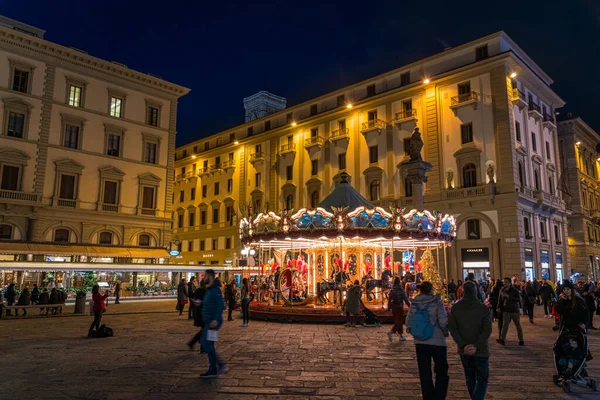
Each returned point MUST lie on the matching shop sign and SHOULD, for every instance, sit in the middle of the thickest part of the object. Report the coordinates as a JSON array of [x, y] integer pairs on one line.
[[475, 254]]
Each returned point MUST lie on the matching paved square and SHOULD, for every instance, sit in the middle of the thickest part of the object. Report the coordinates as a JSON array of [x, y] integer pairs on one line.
[[51, 358]]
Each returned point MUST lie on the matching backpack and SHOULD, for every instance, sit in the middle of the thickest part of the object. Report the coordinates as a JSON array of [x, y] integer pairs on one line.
[[420, 326], [393, 296], [105, 331]]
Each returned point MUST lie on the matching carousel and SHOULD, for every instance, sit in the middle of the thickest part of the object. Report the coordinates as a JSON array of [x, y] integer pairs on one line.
[[308, 258]]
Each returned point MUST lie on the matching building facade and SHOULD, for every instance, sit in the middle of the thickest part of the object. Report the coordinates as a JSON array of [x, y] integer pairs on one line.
[[579, 154], [86, 149], [485, 111]]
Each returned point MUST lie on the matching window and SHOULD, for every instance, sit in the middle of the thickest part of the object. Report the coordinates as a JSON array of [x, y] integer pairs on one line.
[[267, 125], [205, 164], [67, 187], [5, 232], [371, 90], [180, 221], [550, 185], [193, 194], [290, 141], [216, 188], [215, 244], [469, 175], [227, 243], [75, 96], [289, 172], [215, 215], [314, 132], [230, 156], [466, 133], [405, 79], [150, 153], [473, 229], [372, 115], [148, 197], [152, 117], [10, 177], [250, 131], [289, 118], [181, 196], [20, 80], [341, 100], [289, 202], [526, 227], [536, 179], [406, 143], [463, 90], [204, 191], [105, 238], [533, 142], [71, 139], [218, 161], [61, 235], [556, 234], [182, 170], [314, 199], [257, 179], [16, 124], [191, 245], [110, 192], [521, 174], [313, 109], [116, 107], [229, 185], [314, 167], [192, 219], [342, 161], [373, 156], [229, 214], [206, 147], [518, 131], [258, 148], [202, 245], [548, 151], [407, 188], [481, 52], [342, 125], [374, 190], [113, 146], [203, 217], [543, 230]]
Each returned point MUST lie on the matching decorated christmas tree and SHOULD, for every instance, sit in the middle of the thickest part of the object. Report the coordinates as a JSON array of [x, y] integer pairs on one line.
[[430, 272]]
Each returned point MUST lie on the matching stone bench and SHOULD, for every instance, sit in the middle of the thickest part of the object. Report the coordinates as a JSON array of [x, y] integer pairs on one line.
[[44, 309]]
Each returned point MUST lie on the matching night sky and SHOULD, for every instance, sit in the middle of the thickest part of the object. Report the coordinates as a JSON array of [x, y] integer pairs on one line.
[[301, 50]]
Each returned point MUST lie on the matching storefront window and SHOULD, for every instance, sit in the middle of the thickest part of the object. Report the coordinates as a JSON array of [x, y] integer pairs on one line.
[[529, 271], [477, 262], [559, 265], [545, 259]]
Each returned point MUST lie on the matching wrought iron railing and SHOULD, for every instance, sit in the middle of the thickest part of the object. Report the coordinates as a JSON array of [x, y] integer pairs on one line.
[[463, 98]]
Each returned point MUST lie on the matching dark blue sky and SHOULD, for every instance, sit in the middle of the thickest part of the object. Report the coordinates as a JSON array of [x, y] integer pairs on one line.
[[225, 51]]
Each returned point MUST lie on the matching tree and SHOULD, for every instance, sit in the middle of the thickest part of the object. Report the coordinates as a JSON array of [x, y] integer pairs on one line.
[[430, 272]]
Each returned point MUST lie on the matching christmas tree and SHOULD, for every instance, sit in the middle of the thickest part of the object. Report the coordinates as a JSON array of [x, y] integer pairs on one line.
[[430, 272]]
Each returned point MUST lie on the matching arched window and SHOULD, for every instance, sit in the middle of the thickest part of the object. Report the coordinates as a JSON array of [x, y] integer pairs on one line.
[[469, 175], [289, 202], [521, 175], [144, 240], [5, 232], [536, 179], [374, 190], [407, 188], [61, 235], [526, 227], [105, 238], [314, 199]]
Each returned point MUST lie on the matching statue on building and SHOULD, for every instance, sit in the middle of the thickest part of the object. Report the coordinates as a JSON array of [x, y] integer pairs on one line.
[[490, 173], [415, 146], [450, 179]]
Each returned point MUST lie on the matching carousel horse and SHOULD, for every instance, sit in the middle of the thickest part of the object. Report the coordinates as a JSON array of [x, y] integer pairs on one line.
[[325, 287], [371, 284]]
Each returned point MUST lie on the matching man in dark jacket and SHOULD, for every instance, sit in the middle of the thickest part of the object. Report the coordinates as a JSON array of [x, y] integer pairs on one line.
[[230, 296], [191, 291], [452, 290], [212, 318], [546, 294], [11, 293], [509, 304], [276, 292], [35, 294], [118, 292], [470, 325]]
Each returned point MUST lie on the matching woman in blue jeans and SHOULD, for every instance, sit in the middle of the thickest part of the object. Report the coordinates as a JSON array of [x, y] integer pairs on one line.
[[245, 296]]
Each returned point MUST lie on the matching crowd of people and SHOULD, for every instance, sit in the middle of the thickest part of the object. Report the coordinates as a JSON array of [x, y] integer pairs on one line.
[[41, 296]]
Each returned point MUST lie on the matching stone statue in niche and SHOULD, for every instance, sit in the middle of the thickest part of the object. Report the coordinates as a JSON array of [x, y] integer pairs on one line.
[[415, 146], [450, 179], [490, 173]]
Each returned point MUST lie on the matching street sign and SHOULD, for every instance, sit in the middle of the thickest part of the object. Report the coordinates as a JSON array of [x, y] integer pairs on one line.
[[174, 253]]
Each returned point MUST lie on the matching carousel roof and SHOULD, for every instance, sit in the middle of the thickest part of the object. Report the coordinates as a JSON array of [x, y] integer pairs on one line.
[[345, 196]]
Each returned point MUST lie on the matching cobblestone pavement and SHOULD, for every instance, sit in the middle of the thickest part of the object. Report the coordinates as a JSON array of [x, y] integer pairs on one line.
[[51, 358]]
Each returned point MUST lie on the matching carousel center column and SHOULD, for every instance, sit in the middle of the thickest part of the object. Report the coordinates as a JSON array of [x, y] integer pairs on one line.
[[415, 169]]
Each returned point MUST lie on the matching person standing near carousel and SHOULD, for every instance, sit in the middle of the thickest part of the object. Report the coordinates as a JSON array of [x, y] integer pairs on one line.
[[396, 300]]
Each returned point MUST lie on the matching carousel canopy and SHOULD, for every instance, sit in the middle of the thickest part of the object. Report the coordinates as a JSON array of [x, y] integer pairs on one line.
[[345, 196]]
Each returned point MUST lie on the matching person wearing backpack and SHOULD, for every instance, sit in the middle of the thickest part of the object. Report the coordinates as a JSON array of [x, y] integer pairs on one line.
[[396, 299], [470, 324], [427, 322]]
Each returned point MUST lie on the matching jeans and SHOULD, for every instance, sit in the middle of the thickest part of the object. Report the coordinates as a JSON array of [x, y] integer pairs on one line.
[[425, 353], [230, 307], [117, 297], [398, 313], [516, 318], [530, 308], [352, 319], [476, 374], [190, 310], [245, 310], [215, 362], [547, 306], [97, 319]]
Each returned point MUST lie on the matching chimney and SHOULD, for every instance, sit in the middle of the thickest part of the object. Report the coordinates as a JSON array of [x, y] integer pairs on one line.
[[261, 104]]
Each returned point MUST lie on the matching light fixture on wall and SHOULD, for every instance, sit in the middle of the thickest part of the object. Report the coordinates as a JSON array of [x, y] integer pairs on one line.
[[236, 142], [294, 123], [349, 105], [426, 81], [577, 143], [513, 75]]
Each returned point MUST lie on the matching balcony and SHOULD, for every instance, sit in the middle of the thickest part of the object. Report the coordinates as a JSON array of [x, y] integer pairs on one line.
[[18, 196], [313, 142], [405, 116], [535, 111], [549, 121], [215, 168], [374, 125], [110, 207], [203, 172], [289, 148], [548, 201], [147, 211], [468, 192], [257, 157], [339, 135], [526, 192], [464, 100], [179, 177], [229, 164], [518, 98], [68, 203]]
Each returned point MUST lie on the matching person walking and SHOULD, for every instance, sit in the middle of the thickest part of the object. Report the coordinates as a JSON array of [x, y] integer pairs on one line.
[[212, 318], [276, 283], [198, 299], [352, 305], [470, 324], [427, 322], [509, 306], [494, 297], [11, 293], [181, 296], [459, 290], [590, 302], [245, 298], [24, 300], [98, 308], [396, 300], [452, 290], [118, 292], [230, 296], [35, 294], [546, 294], [528, 295], [191, 289]]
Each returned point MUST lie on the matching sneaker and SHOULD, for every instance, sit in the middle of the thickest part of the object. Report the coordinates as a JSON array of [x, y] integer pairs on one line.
[[521, 343], [390, 336], [501, 342], [208, 375], [243, 325], [223, 370], [402, 338], [531, 321]]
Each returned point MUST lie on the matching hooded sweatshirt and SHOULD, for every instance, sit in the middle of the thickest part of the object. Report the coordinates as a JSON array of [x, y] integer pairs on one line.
[[470, 322], [437, 316], [213, 305]]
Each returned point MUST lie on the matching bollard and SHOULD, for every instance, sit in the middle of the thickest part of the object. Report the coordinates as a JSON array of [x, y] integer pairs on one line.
[[91, 308]]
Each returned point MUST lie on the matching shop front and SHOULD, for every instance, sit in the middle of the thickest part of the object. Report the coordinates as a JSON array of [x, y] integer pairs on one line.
[[559, 267], [477, 262], [545, 260], [529, 268]]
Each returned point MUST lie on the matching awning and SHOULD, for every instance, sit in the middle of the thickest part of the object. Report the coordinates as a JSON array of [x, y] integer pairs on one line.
[[52, 249], [104, 267]]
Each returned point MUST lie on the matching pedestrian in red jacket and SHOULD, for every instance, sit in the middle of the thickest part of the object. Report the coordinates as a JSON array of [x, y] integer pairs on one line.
[[99, 307]]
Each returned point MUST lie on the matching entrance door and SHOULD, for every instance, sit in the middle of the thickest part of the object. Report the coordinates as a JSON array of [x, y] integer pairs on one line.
[[529, 274], [559, 275]]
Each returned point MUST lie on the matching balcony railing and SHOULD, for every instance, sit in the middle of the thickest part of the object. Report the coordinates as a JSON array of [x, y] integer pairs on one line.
[[215, 167], [373, 124], [339, 134], [18, 195], [148, 211], [548, 118], [313, 141], [287, 148], [67, 203], [517, 94], [259, 155], [463, 193], [534, 107], [228, 164], [463, 98], [110, 207], [404, 202], [405, 114], [526, 191], [203, 171]]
